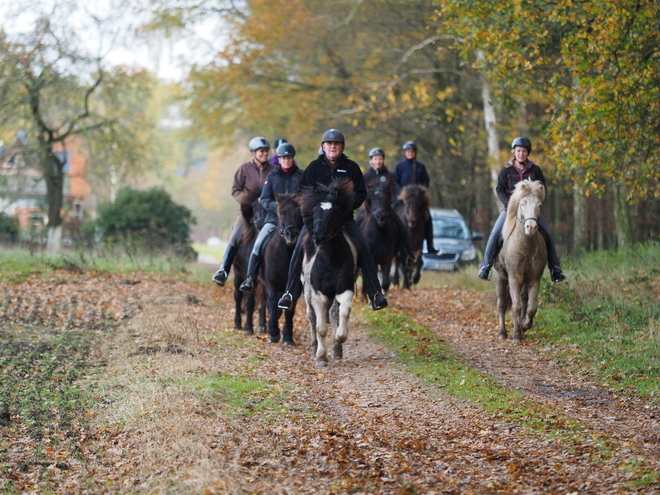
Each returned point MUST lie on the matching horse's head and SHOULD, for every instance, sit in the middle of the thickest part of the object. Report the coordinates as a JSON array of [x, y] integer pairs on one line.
[[378, 204], [525, 203], [328, 206], [416, 202], [289, 220]]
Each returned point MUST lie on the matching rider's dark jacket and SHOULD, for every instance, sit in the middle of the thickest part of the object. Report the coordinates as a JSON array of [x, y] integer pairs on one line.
[[509, 176], [374, 178], [321, 171], [408, 172], [279, 182]]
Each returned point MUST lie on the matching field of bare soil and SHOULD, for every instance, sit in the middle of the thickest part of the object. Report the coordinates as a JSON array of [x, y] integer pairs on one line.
[[140, 384]]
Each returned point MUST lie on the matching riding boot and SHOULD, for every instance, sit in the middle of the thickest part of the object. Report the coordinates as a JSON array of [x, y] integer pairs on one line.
[[428, 234], [295, 267], [221, 276], [253, 268], [492, 247], [556, 273]]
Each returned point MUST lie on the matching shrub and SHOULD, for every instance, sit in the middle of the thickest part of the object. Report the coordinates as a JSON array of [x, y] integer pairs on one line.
[[147, 219], [9, 228]]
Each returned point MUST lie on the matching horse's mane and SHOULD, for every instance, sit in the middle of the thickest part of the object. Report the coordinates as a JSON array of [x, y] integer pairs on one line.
[[417, 197], [287, 201], [339, 192], [247, 204], [381, 189], [523, 189]]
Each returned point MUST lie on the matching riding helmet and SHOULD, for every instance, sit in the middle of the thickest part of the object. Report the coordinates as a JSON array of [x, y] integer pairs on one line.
[[286, 149], [522, 141], [376, 151], [279, 141], [409, 145], [257, 143], [332, 135]]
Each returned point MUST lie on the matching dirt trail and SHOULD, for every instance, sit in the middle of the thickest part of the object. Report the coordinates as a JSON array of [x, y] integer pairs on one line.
[[360, 425], [402, 435]]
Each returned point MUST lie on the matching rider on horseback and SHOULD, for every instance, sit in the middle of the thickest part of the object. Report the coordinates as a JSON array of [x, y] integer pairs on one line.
[[330, 165], [284, 179], [519, 168], [249, 177], [374, 177], [410, 171]]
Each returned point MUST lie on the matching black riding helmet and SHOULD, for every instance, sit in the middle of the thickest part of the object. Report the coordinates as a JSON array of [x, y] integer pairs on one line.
[[376, 151], [279, 141], [333, 135], [522, 141], [409, 145], [286, 149]]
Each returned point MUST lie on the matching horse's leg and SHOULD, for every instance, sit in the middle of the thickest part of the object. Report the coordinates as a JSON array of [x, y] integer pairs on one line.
[[238, 300], [311, 317], [406, 275], [273, 316], [321, 304], [531, 306], [417, 274], [249, 315], [341, 330], [262, 315], [515, 289], [385, 272], [503, 300], [287, 333]]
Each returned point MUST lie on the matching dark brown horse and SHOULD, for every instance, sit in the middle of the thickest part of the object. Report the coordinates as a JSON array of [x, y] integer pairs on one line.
[[380, 230], [521, 260], [276, 258], [414, 214], [254, 216]]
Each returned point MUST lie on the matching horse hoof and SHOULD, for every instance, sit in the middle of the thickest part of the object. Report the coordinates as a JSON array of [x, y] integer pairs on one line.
[[289, 343], [502, 336], [273, 339], [262, 330], [321, 363], [337, 351], [517, 341], [248, 332]]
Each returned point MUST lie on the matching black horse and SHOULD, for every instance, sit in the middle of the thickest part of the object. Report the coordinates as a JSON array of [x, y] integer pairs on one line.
[[380, 231], [276, 258], [254, 217], [330, 265]]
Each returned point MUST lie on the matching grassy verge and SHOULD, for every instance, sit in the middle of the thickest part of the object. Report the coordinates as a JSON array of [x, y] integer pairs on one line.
[[605, 319], [426, 355]]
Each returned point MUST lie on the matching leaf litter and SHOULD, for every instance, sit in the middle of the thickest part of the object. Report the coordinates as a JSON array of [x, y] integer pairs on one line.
[[158, 424]]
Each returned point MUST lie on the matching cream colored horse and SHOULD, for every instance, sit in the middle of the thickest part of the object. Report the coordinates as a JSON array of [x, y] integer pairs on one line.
[[522, 259]]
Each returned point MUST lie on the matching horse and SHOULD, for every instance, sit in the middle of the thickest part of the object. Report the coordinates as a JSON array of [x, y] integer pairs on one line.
[[329, 265], [253, 216], [522, 259], [414, 214], [276, 257], [380, 231]]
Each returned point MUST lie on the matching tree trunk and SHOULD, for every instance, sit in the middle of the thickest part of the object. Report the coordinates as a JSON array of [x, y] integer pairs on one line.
[[580, 237], [624, 233], [54, 176], [490, 123]]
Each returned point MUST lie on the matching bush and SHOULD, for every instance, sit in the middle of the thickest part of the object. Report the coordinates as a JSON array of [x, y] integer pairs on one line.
[[147, 219], [9, 228]]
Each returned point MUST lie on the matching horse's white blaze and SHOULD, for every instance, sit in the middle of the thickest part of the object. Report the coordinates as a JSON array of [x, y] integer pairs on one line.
[[344, 299], [326, 205]]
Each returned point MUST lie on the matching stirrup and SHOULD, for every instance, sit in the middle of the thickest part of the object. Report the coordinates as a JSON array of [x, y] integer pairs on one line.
[[378, 301], [286, 301], [220, 277], [247, 286]]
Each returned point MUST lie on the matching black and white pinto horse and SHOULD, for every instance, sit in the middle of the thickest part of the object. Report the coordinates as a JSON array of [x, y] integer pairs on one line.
[[276, 257], [329, 266], [380, 231]]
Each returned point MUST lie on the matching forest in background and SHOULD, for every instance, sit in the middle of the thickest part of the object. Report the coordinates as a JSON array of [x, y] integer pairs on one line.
[[461, 78]]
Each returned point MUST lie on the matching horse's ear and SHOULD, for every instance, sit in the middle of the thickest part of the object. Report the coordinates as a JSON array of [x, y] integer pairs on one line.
[[278, 197], [335, 192]]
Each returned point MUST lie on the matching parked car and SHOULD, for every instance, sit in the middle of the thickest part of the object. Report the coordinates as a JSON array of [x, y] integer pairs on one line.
[[453, 240]]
